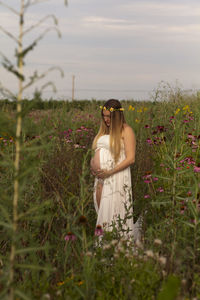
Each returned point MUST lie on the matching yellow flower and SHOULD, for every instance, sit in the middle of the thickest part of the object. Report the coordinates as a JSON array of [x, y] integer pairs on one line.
[[60, 283], [101, 106], [104, 108], [121, 109], [186, 107], [130, 107], [139, 110], [137, 121], [111, 109], [80, 282], [177, 111], [145, 108]]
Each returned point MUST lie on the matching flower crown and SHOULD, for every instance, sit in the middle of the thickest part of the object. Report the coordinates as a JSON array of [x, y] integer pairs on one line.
[[111, 108]]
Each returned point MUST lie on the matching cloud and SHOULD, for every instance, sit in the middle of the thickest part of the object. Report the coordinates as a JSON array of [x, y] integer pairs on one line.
[[152, 8]]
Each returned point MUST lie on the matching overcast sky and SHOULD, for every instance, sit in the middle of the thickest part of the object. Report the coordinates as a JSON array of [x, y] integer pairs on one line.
[[115, 48]]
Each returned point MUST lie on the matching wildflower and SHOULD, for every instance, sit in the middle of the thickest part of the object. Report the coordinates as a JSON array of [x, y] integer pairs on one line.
[[162, 260], [147, 126], [132, 281], [160, 128], [139, 110], [157, 242], [189, 193], [46, 296], [114, 242], [60, 283], [137, 120], [106, 247], [149, 141], [98, 230], [186, 107], [70, 237], [111, 109], [196, 169], [177, 111], [160, 189], [155, 178], [146, 196], [131, 107], [82, 220], [80, 282], [76, 146], [149, 253], [147, 181]]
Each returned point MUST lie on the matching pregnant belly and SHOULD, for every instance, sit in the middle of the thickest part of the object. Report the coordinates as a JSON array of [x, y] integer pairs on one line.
[[96, 160]]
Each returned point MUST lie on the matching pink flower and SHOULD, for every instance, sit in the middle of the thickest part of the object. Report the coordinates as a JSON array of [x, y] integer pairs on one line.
[[70, 237], [146, 196], [149, 141], [98, 230], [160, 189], [196, 169], [155, 179], [147, 181], [147, 126]]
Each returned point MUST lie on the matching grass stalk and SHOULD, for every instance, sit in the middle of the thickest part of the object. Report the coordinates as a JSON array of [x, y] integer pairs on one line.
[[17, 156]]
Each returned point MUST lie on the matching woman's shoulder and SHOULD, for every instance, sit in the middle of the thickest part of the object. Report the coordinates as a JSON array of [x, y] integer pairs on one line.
[[127, 130]]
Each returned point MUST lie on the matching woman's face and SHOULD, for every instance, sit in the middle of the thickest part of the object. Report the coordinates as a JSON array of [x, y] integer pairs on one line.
[[106, 117]]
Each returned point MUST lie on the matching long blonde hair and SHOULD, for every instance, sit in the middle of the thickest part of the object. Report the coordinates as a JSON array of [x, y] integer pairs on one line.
[[115, 129]]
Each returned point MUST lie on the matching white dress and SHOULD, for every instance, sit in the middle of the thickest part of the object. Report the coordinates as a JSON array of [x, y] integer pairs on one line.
[[116, 205]]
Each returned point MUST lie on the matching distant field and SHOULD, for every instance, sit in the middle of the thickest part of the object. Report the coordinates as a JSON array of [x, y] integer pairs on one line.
[[57, 216]]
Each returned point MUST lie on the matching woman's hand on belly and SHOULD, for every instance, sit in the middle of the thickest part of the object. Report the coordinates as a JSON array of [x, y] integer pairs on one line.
[[103, 174]]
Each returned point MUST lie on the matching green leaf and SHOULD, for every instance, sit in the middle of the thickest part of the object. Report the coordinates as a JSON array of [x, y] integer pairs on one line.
[[30, 249], [169, 289], [33, 267], [7, 225], [22, 295], [5, 213]]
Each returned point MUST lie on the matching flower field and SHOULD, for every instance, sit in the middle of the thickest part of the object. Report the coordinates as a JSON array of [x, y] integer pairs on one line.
[[60, 253]]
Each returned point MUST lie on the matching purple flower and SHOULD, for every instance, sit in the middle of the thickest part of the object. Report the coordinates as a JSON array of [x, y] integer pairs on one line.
[[98, 230], [147, 181], [155, 178], [196, 169], [146, 196], [149, 141], [160, 189], [70, 237], [147, 126]]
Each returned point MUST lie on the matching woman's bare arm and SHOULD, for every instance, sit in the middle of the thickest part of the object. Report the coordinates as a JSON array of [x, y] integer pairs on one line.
[[130, 146]]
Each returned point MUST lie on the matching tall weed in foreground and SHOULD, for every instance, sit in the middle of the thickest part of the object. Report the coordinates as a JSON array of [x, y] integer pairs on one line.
[[19, 247]]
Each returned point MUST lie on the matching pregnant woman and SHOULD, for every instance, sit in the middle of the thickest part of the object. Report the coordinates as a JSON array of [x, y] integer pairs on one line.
[[114, 147]]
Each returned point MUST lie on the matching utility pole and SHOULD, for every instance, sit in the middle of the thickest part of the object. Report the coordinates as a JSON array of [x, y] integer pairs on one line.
[[73, 85]]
